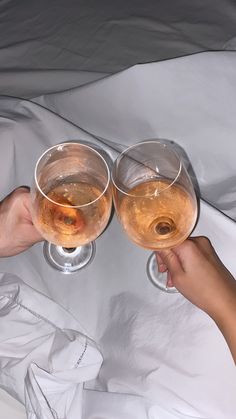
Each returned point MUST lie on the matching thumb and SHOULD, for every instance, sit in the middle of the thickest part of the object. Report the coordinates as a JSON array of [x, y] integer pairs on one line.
[[171, 260]]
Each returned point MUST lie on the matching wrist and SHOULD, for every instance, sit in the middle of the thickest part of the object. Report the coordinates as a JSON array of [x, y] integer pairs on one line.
[[225, 320], [225, 311]]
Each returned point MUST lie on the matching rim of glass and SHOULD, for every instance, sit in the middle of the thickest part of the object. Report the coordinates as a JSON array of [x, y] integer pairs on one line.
[[65, 144], [164, 145]]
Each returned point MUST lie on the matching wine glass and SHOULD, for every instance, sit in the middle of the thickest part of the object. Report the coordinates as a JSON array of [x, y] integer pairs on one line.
[[154, 199], [71, 203]]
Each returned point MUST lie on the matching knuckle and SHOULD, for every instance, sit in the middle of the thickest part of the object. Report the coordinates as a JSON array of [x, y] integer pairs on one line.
[[204, 241], [21, 189], [189, 245], [166, 255], [19, 192]]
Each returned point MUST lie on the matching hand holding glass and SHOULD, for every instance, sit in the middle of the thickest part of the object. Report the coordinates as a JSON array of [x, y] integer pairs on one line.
[[71, 203], [154, 199]]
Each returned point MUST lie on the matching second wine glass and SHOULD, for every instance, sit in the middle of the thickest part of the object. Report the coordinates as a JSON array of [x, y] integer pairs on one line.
[[154, 199], [71, 203]]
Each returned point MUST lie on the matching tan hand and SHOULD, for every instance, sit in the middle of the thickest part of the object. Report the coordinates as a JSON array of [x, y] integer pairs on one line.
[[196, 271]]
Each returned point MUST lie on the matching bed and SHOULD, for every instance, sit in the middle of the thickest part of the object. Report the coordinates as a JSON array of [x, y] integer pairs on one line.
[[114, 74]]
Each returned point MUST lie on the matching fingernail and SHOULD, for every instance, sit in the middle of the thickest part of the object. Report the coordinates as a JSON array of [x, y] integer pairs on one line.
[[161, 267]]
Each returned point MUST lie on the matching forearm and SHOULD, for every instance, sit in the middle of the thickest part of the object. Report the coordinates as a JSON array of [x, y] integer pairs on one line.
[[198, 273], [226, 322]]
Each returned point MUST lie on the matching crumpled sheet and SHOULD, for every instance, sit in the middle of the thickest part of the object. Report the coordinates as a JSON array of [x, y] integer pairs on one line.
[[189, 100], [163, 357], [44, 355]]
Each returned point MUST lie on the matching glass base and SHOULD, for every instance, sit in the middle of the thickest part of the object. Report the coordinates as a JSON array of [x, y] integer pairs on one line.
[[68, 260], [157, 278]]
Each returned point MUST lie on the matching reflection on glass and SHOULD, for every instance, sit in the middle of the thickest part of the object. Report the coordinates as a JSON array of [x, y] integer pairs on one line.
[[71, 203], [154, 200]]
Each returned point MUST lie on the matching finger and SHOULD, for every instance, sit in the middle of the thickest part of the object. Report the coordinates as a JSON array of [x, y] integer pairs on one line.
[[23, 188], [203, 243], [26, 200], [172, 261], [20, 190], [161, 265], [31, 234], [169, 281]]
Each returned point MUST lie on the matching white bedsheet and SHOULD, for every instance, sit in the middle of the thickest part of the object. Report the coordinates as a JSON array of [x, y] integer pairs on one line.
[[163, 358], [190, 100], [44, 348]]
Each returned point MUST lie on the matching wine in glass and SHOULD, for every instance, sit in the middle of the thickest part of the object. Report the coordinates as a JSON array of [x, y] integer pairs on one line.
[[71, 203], [154, 199]]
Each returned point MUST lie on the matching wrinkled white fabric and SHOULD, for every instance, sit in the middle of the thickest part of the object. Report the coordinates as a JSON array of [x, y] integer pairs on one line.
[[163, 358], [174, 99], [44, 356]]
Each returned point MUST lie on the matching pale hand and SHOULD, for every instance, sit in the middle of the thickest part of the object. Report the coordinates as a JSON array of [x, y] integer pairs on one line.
[[17, 232]]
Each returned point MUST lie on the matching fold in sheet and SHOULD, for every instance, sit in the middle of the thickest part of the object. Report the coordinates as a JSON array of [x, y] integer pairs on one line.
[[189, 100], [100, 36], [44, 357], [163, 357]]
